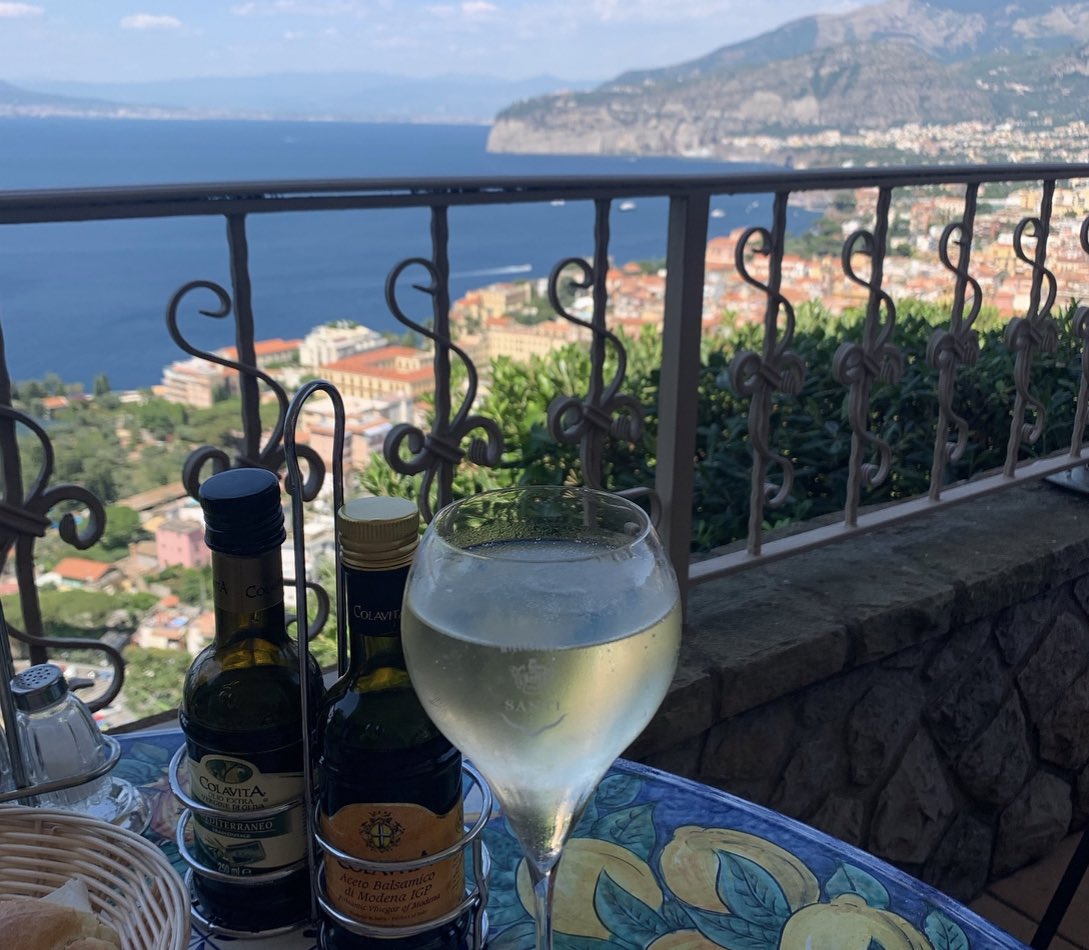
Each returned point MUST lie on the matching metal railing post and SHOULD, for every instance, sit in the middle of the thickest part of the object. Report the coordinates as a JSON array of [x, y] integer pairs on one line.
[[678, 390]]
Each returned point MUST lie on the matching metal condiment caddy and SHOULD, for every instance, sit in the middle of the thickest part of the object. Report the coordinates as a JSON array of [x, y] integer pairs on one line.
[[476, 895]]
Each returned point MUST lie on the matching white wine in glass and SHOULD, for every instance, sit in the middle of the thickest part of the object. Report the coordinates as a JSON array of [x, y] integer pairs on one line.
[[541, 628]]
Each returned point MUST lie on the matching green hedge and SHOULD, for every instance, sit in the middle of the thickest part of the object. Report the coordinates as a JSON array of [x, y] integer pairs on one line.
[[811, 428]]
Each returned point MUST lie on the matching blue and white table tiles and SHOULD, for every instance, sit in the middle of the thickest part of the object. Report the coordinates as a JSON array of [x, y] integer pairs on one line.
[[662, 863]]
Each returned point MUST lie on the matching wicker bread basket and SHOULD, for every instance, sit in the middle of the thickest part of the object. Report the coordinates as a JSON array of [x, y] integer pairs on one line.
[[132, 886]]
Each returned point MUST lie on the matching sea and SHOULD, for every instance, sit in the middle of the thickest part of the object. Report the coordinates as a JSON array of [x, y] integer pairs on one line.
[[88, 298]]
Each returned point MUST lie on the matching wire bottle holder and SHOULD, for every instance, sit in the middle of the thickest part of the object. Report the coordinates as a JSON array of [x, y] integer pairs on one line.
[[475, 898]]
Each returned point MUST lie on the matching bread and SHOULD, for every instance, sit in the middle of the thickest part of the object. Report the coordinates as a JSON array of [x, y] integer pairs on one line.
[[62, 920]]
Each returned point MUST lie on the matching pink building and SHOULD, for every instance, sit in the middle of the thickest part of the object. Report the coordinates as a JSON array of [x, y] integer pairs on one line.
[[181, 543]]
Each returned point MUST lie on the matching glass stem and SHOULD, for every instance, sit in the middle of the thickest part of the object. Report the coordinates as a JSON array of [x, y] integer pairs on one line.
[[543, 892]]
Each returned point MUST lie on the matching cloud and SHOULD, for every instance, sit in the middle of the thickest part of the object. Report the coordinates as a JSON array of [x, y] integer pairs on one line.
[[467, 9], [11, 11], [653, 11], [314, 8], [150, 21]]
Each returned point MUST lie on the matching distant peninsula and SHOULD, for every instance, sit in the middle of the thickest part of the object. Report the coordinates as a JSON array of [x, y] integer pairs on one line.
[[341, 97], [871, 85]]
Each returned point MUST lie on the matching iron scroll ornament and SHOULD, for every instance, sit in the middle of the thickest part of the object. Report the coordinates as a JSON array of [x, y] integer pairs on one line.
[[1081, 332], [959, 345], [604, 411], [271, 455], [24, 519], [437, 453], [1037, 331], [757, 377], [859, 365]]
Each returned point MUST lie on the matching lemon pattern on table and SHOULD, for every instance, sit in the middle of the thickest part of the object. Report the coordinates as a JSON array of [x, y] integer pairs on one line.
[[622, 881]]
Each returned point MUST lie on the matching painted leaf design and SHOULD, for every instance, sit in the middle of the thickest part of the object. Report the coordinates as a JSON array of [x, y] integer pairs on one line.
[[504, 906], [562, 941], [751, 892], [729, 931], [519, 937], [851, 880], [624, 915], [632, 828], [944, 933], [586, 821], [677, 916], [616, 791]]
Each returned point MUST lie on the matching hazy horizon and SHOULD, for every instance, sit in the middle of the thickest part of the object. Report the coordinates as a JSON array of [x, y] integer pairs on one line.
[[572, 40]]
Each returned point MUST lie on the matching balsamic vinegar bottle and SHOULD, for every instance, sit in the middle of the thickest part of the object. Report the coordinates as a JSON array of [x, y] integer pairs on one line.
[[241, 713], [389, 783]]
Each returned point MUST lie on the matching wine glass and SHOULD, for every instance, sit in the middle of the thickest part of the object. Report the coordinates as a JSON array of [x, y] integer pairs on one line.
[[541, 628]]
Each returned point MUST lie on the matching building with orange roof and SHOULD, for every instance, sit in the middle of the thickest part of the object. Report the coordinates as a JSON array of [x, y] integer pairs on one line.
[[82, 572], [194, 382], [266, 352], [51, 404], [386, 373], [198, 383]]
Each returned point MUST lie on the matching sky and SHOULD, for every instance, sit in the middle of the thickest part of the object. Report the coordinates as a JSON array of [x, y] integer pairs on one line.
[[137, 40]]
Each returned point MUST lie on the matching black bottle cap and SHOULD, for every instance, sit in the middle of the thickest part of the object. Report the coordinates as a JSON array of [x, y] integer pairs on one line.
[[38, 687], [242, 511]]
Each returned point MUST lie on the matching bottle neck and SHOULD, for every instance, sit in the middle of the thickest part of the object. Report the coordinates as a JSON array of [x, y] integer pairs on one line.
[[249, 597], [373, 605]]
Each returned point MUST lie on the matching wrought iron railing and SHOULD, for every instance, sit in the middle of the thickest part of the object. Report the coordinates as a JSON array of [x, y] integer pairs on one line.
[[603, 410]]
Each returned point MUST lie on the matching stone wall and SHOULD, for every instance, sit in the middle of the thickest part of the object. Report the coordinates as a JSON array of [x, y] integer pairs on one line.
[[921, 691]]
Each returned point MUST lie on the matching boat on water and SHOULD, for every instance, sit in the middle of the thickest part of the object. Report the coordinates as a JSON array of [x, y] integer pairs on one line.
[[626, 206], [718, 213]]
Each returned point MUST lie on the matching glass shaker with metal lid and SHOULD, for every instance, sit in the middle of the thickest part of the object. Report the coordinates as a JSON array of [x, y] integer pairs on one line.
[[60, 740]]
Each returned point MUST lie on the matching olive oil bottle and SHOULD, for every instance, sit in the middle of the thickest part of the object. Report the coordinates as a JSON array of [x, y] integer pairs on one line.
[[241, 715], [389, 783]]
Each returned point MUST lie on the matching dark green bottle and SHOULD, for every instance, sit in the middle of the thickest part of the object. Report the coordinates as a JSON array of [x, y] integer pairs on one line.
[[389, 783], [241, 713]]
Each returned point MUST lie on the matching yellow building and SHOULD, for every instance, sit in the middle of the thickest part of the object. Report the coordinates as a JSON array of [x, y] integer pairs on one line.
[[520, 342], [501, 300], [384, 373]]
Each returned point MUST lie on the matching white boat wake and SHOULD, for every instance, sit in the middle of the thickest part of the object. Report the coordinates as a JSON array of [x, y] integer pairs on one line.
[[495, 271]]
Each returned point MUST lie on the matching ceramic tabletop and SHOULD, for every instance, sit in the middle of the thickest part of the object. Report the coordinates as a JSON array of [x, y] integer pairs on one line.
[[658, 862]]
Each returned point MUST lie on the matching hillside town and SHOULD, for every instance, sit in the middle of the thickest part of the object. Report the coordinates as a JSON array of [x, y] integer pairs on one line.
[[384, 383]]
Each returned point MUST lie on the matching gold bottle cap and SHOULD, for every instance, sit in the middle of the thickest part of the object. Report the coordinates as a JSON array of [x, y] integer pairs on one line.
[[378, 533]]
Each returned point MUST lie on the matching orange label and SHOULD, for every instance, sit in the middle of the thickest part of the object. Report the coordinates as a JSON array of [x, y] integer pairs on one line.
[[393, 832]]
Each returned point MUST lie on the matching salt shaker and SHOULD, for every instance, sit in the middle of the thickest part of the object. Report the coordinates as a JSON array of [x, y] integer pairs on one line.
[[60, 740]]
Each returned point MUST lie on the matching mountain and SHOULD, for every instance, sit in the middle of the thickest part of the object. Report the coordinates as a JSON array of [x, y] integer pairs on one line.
[[881, 66], [346, 96], [15, 99]]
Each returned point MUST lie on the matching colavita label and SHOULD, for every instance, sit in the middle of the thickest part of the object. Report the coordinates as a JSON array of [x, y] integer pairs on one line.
[[243, 845], [245, 585], [393, 832]]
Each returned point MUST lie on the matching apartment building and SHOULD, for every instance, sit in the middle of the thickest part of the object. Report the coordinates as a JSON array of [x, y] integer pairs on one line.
[[385, 373], [336, 341]]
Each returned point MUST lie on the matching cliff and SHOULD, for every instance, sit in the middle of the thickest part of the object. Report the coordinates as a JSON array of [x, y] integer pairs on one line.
[[880, 67]]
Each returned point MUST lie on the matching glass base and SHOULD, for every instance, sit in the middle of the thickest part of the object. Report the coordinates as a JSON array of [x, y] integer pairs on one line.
[[109, 798]]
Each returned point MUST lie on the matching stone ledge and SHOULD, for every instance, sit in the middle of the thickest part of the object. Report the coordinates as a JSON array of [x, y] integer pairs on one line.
[[774, 630]]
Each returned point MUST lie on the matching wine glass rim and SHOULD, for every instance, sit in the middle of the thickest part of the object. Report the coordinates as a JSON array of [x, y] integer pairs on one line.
[[445, 515]]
